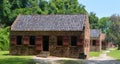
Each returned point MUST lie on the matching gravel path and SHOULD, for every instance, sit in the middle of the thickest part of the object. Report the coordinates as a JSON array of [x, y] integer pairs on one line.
[[57, 60], [102, 59]]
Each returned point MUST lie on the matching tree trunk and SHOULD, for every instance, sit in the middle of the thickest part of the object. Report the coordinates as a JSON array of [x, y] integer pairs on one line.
[[118, 46]]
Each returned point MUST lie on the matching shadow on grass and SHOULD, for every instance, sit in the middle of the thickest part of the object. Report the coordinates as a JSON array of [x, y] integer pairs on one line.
[[6, 54], [102, 62], [70, 62], [16, 61], [118, 59]]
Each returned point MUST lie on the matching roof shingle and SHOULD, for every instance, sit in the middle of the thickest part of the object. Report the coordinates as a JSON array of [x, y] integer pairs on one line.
[[95, 33], [49, 23]]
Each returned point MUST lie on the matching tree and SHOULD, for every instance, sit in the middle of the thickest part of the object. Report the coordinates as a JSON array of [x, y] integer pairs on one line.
[[115, 29], [5, 11], [18, 7], [66, 7], [44, 6], [11, 8], [103, 24], [93, 19]]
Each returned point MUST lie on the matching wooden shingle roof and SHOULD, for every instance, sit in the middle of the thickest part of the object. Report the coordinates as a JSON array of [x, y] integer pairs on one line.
[[95, 33], [49, 23]]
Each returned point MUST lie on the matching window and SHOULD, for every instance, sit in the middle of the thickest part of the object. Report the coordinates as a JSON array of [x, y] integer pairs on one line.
[[19, 40], [32, 40], [94, 42], [59, 41], [73, 41]]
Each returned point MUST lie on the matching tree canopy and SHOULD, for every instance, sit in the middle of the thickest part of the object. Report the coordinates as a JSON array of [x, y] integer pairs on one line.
[[115, 29], [11, 8], [93, 19]]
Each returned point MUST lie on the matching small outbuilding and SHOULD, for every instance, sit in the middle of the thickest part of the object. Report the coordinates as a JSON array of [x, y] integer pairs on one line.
[[107, 45], [95, 40], [51, 35]]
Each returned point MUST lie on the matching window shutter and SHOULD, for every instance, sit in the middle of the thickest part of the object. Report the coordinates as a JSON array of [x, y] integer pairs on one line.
[[97, 42], [79, 42], [66, 40], [38, 43], [26, 40], [38, 40], [13, 40]]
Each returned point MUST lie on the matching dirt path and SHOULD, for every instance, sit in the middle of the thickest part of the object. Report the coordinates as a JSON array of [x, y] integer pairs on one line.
[[102, 59], [56, 60]]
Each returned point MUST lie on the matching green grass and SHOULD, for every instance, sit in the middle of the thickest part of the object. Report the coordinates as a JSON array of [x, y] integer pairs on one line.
[[5, 58], [70, 61], [114, 53], [95, 54]]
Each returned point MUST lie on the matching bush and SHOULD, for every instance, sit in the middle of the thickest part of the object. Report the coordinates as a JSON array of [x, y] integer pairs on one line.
[[4, 38]]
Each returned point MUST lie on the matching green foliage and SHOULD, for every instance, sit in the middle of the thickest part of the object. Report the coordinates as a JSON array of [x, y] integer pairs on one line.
[[115, 29], [103, 24], [11, 8], [5, 58], [4, 11], [93, 19], [66, 7], [4, 38]]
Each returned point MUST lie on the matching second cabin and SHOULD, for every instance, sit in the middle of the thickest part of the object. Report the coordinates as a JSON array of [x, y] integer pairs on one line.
[[95, 40]]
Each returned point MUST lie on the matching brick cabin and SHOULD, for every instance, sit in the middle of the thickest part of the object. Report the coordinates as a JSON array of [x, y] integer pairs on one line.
[[104, 43], [95, 40], [54, 35], [107, 45]]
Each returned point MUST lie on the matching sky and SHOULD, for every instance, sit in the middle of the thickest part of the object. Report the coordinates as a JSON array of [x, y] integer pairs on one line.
[[102, 8]]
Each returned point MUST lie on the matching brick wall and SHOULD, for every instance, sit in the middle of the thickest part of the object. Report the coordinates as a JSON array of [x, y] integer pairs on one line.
[[87, 37], [55, 50], [98, 45]]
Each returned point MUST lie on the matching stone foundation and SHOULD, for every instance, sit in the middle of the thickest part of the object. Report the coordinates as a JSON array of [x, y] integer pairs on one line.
[[22, 50]]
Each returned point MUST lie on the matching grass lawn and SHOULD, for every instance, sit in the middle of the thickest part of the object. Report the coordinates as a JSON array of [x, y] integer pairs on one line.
[[115, 54], [95, 54], [70, 61], [5, 58]]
